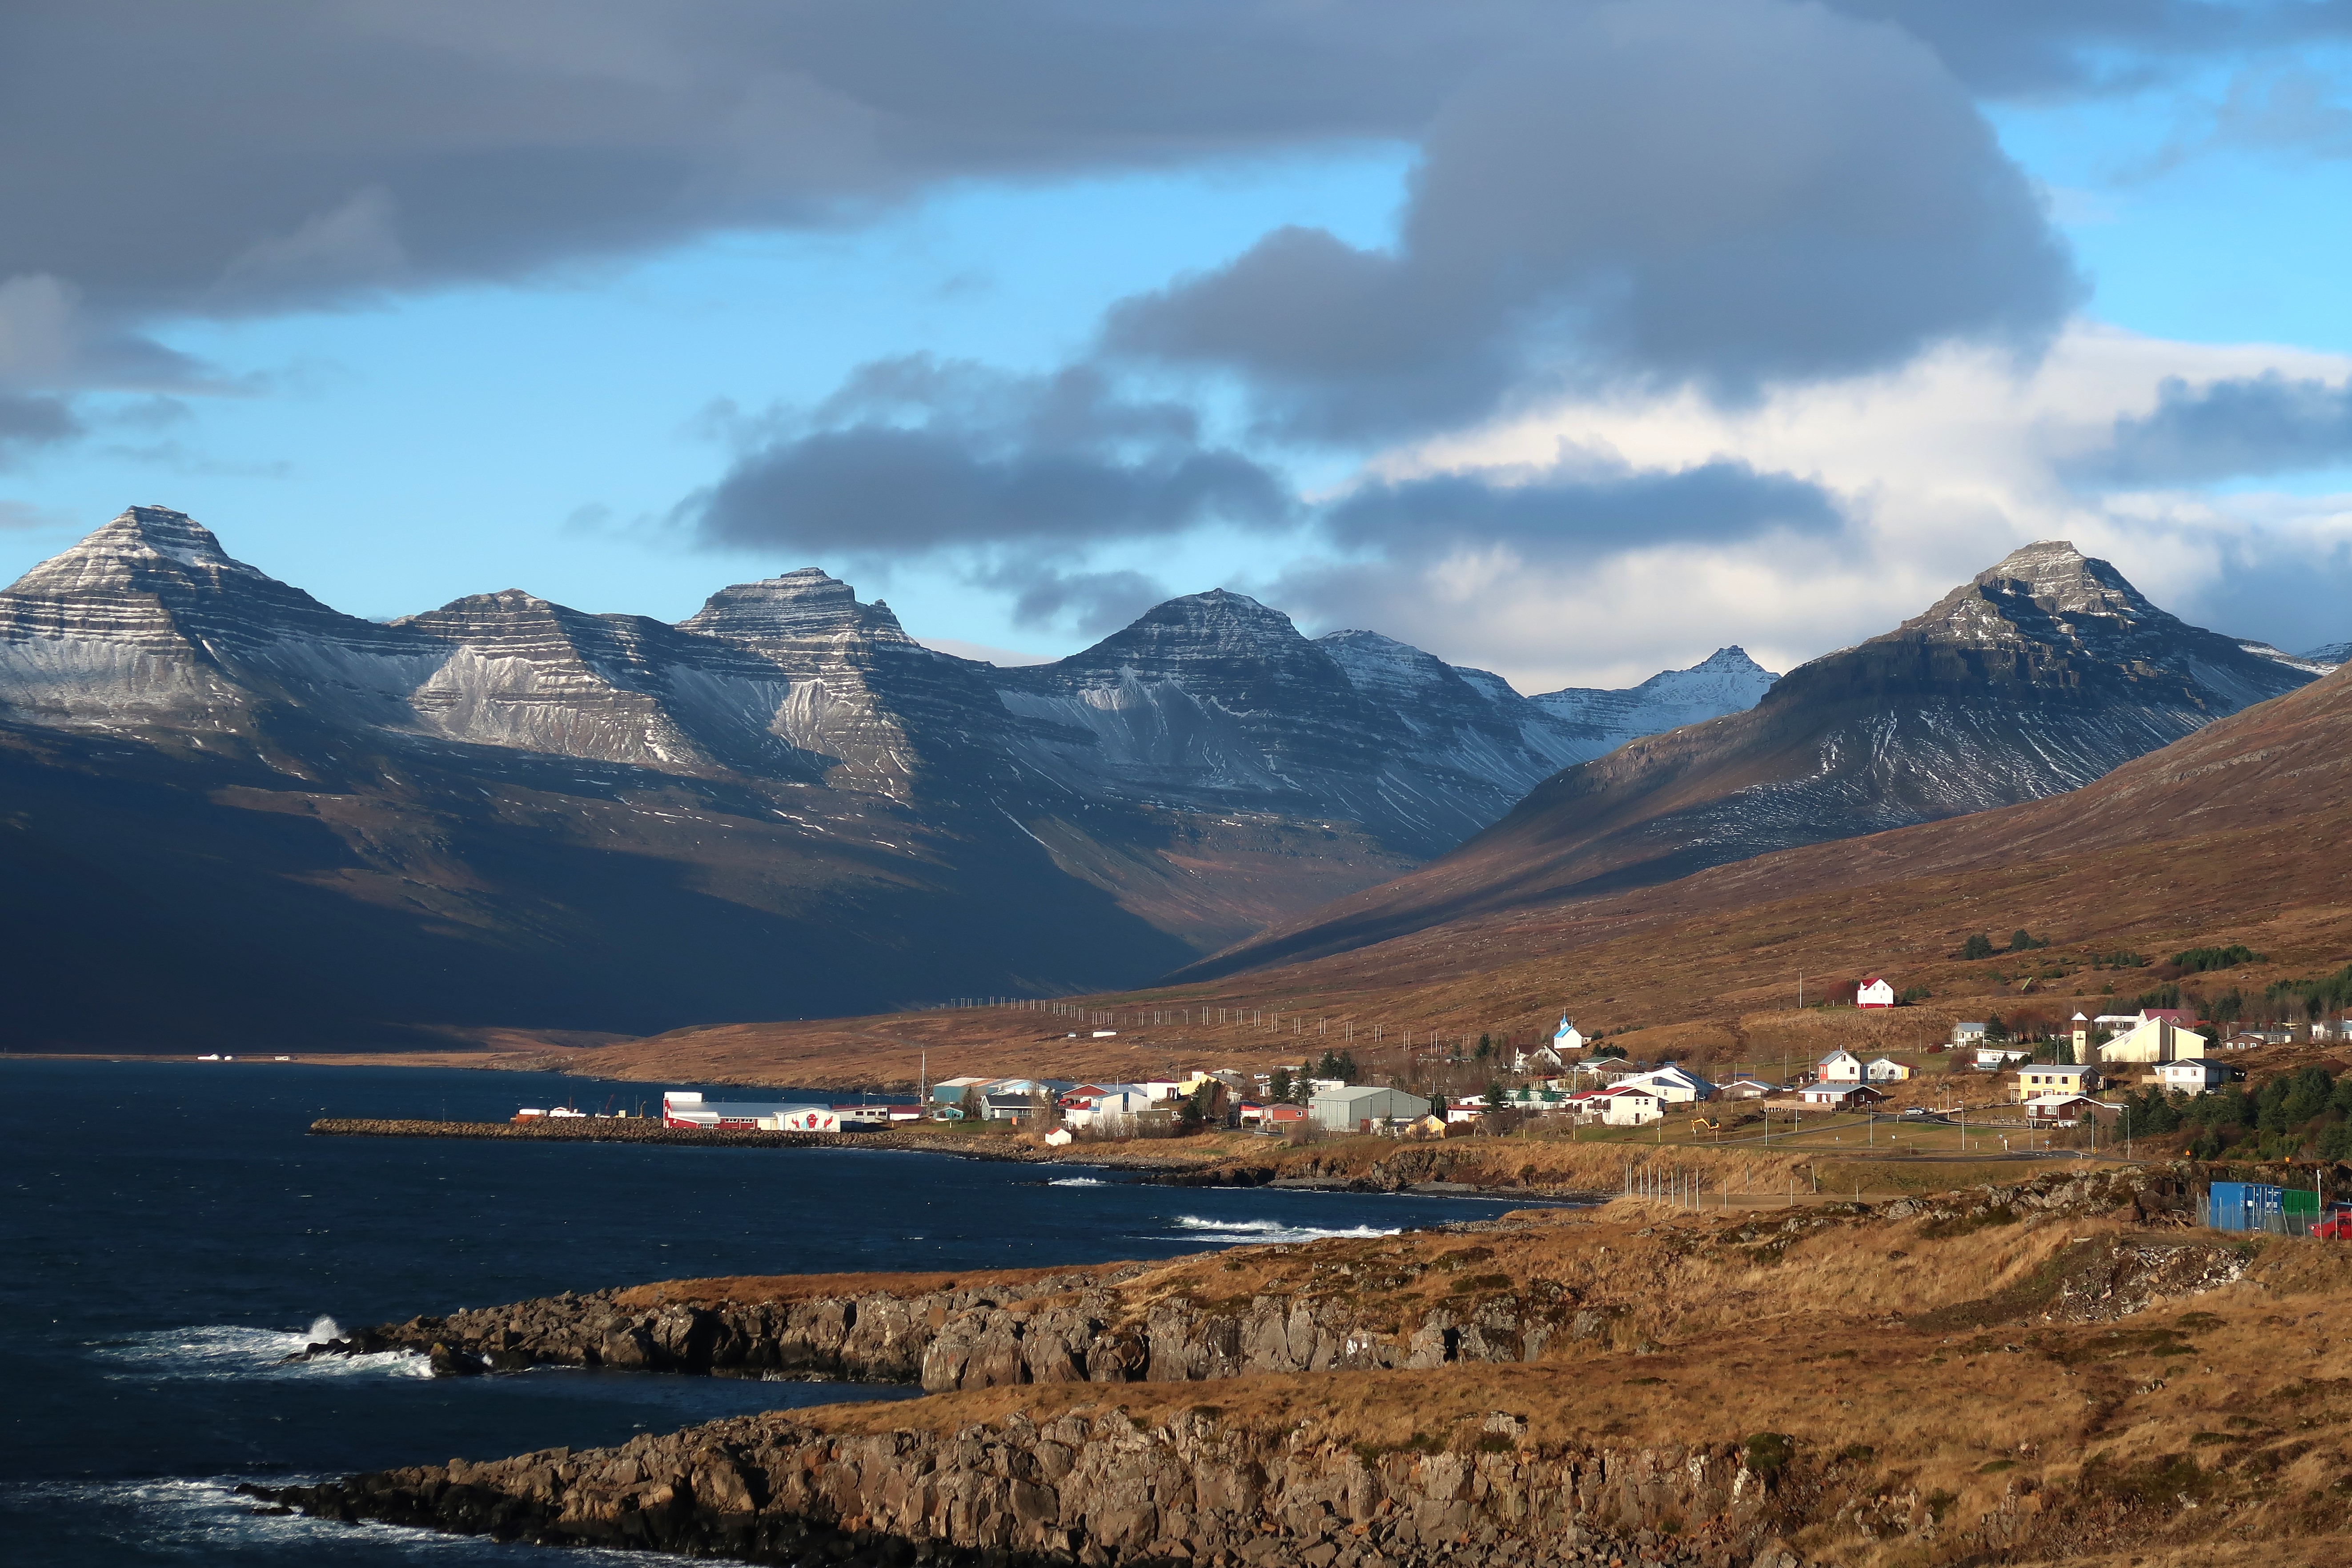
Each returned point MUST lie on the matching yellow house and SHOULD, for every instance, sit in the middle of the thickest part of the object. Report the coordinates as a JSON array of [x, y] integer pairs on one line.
[[2036, 1080]]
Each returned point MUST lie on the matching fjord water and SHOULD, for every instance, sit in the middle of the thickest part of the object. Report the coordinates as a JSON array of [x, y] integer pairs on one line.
[[169, 1232]]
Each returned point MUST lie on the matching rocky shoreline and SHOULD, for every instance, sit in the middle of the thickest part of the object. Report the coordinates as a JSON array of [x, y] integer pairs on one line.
[[1095, 1488], [1447, 1400]]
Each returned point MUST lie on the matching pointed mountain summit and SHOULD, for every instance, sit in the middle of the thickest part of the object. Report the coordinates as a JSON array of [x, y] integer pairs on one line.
[[2034, 677], [781, 805], [1724, 681], [158, 579]]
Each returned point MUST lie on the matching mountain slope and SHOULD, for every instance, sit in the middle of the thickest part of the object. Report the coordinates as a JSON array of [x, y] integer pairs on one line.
[[2042, 674], [506, 811]]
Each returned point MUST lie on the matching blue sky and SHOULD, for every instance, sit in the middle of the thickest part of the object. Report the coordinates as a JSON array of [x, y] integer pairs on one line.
[[392, 442]]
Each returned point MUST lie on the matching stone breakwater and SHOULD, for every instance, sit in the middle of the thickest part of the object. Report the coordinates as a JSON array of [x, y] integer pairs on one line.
[[642, 1129], [1079, 1327], [1093, 1488], [1152, 1156]]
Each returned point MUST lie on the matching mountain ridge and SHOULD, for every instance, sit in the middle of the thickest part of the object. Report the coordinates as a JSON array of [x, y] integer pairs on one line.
[[2035, 676], [461, 791]]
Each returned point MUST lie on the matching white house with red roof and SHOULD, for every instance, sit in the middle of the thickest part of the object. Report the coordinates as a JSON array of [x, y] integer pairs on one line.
[[1873, 993]]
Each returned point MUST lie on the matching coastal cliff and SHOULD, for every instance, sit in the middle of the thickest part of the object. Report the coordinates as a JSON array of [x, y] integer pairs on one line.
[[1490, 1291], [2047, 1371], [1095, 1486]]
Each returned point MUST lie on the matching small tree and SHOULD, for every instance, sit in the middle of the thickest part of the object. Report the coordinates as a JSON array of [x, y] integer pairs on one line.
[[1278, 1084], [2021, 940], [969, 1102], [1977, 946], [1495, 1101]]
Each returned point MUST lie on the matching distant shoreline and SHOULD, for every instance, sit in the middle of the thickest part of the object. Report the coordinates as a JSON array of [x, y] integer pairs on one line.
[[645, 1130]]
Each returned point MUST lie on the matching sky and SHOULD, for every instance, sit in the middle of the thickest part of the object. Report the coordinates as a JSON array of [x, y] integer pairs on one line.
[[1570, 340]]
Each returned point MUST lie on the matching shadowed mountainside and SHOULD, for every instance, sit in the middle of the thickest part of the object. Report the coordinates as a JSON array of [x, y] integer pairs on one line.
[[2036, 678]]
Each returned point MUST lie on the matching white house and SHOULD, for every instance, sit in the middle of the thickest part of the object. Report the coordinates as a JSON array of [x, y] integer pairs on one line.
[[1745, 1088], [2154, 1040], [1674, 1084], [2000, 1059], [1536, 1060], [1969, 1034], [1626, 1106], [1885, 1069], [2193, 1075], [1839, 1067], [2038, 1080], [1566, 1038], [1111, 1108], [1873, 993]]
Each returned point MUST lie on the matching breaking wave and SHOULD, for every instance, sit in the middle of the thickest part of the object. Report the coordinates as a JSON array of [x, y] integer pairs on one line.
[[1241, 1232], [1078, 1182], [229, 1351], [205, 1520]]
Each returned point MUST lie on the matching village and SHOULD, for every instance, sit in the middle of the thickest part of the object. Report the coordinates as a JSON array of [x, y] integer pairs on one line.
[[2094, 1085]]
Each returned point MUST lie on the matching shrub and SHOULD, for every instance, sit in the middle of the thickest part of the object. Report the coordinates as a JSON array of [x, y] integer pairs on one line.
[[2199, 960], [1910, 994], [1977, 946], [1768, 1453], [2021, 940]]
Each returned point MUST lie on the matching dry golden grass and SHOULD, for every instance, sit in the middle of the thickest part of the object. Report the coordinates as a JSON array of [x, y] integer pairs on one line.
[[806, 1286], [2232, 1396]]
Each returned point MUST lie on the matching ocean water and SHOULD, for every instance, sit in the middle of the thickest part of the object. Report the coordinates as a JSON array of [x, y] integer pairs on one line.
[[168, 1232]]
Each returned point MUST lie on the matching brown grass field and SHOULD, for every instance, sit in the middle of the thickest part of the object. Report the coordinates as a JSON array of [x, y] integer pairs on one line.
[[1905, 1357]]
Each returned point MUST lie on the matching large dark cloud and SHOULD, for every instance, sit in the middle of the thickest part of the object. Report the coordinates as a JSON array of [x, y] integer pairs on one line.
[[2268, 424], [1570, 515], [1709, 190], [167, 157], [915, 454]]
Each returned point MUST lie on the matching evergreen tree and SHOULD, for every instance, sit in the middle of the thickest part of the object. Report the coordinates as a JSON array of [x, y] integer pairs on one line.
[[1978, 946]]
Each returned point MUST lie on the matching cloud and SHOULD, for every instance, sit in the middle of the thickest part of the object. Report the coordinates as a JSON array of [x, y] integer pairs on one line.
[[26, 422], [1728, 193], [917, 455], [255, 158], [1093, 603], [2044, 49], [1934, 471], [2266, 424], [1567, 515]]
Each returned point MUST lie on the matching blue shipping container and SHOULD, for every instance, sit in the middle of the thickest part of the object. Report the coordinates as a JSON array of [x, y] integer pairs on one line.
[[2245, 1205]]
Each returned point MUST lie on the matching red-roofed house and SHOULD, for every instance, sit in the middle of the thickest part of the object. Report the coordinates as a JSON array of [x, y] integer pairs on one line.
[[1873, 993]]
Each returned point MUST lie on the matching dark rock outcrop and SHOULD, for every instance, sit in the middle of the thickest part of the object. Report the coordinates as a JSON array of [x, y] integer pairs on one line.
[[1094, 1487]]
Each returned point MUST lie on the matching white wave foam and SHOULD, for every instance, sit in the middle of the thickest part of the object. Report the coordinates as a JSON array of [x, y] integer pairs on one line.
[[231, 1350], [1078, 1182], [1238, 1232], [205, 1520]]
